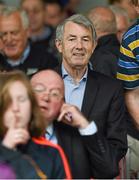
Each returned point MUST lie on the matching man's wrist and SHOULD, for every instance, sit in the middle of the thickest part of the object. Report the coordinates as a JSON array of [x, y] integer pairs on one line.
[[89, 130]]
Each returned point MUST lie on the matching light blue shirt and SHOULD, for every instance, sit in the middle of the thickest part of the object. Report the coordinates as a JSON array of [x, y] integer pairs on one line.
[[21, 59], [74, 93], [50, 134]]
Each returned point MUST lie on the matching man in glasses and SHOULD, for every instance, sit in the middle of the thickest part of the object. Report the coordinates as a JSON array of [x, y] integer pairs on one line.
[[80, 139]]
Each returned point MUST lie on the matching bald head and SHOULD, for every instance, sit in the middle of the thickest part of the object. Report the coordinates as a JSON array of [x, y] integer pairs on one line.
[[49, 89], [49, 78], [103, 19]]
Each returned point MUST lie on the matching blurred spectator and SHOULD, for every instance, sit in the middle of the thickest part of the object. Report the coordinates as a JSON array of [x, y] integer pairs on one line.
[[18, 51], [20, 121], [122, 20], [126, 4], [105, 56], [1, 44], [54, 12], [71, 6], [41, 34], [36, 12]]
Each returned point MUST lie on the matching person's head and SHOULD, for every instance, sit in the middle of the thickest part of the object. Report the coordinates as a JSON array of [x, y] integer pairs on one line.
[[128, 5], [13, 31], [122, 20], [104, 20], [136, 5], [135, 2], [76, 40], [18, 105], [36, 13], [49, 89], [54, 12]]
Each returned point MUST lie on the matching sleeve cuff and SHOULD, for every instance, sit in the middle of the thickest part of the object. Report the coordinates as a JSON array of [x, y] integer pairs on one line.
[[89, 130]]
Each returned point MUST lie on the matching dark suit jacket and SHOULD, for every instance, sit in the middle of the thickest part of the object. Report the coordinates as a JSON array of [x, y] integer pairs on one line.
[[37, 59], [106, 54], [97, 155]]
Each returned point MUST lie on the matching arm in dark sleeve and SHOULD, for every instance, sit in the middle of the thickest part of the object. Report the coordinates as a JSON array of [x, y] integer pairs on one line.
[[106, 148]]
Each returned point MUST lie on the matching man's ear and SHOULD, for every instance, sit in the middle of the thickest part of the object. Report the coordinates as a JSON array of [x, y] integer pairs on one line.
[[58, 44]]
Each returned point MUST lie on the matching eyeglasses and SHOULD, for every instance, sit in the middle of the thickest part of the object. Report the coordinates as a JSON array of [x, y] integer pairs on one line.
[[53, 93]]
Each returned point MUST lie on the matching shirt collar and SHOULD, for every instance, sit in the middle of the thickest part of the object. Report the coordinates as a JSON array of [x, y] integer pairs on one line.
[[65, 74], [50, 129], [21, 59]]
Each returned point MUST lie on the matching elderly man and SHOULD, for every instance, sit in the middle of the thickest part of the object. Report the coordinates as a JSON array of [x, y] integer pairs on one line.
[[86, 148], [99, 97], [18, 52], [105, 56]]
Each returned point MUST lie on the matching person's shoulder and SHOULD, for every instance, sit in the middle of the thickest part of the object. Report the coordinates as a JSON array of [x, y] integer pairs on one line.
[[44, 143], [132, 30], [104, 79]]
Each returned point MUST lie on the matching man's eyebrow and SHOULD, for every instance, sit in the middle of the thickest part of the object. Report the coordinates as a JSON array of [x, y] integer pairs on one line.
[[71, 35]]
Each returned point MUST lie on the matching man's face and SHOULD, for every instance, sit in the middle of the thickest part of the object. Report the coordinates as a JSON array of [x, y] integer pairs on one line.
[[14, 36], [77, 46], [49, 91], [53, 14], [36, 14]]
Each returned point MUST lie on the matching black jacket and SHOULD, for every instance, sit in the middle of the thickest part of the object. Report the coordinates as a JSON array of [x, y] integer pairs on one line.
[[98, 155], [47, 159], [20, 165], [105, 56], [37, 59]]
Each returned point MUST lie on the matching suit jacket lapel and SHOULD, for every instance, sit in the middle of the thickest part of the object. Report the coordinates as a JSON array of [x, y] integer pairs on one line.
[[90, 93]]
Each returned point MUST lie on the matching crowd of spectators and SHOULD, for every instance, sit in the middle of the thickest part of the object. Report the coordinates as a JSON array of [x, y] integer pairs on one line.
[[69, 90]]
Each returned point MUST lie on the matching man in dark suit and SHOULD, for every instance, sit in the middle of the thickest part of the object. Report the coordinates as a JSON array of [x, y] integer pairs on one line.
[[94, 145], [99, 97], [93, 148]]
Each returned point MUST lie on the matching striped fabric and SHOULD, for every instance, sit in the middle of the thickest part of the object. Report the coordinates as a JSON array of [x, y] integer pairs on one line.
[[128, 65]]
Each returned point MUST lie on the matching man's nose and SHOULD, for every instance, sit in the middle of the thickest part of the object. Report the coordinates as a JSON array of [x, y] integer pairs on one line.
[[45, 96], [79, 44], [8, 37]]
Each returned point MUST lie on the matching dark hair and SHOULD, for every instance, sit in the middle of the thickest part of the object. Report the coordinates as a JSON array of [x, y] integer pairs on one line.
[[135, 2], [113, 1], [36, 125], [47, 2]]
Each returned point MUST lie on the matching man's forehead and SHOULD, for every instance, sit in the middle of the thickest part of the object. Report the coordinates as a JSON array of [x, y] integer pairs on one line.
[[46, 77]]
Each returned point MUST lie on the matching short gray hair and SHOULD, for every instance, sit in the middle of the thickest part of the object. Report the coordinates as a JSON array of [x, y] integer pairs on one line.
[[9, 10], [78, 19]]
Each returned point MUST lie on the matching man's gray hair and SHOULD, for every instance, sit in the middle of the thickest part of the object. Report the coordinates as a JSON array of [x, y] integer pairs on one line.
[[78, 19], [9, 10]]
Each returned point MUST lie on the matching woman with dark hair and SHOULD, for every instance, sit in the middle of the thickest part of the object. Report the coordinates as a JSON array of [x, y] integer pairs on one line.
[[21, 121]]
